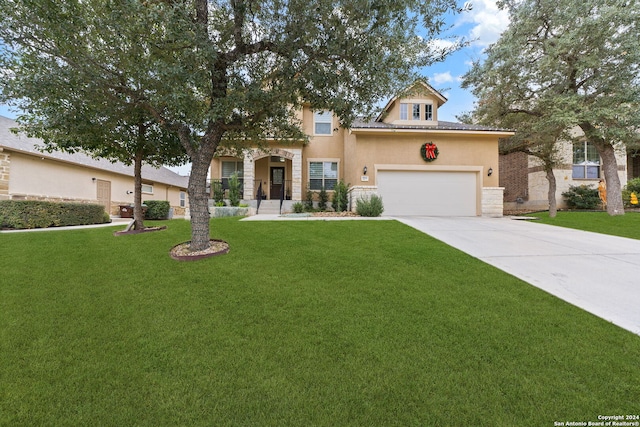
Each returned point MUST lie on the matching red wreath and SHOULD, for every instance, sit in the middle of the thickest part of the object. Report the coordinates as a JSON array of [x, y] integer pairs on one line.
[[429, 151]]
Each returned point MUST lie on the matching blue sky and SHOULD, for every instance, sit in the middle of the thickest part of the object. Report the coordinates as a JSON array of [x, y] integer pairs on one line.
[[483, 24]]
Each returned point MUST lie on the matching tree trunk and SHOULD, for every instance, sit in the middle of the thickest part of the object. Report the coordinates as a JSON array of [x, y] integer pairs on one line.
[[553, 208], [198, 195], [609, 168], [612, 180], [138, 214]]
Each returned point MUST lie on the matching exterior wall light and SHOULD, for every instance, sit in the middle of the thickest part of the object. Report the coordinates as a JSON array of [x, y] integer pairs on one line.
[[490, 172], [93, 179], [364, 170]]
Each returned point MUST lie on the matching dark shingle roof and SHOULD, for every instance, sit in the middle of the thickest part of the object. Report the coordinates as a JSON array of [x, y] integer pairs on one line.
[[24, 144], [362, 124]]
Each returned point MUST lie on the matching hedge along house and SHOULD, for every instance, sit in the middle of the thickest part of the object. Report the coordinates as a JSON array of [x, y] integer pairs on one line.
[[416, 163], [29, 174]]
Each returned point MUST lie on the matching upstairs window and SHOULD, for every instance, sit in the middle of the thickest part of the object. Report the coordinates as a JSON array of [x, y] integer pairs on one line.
[[428, 112], [322, 123], [404, 111], [323, 174], [416, 112], [586, 161]]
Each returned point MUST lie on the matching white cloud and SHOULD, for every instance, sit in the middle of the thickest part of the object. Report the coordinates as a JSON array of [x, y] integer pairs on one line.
[[439, 78], [487, 22], [441, 44]]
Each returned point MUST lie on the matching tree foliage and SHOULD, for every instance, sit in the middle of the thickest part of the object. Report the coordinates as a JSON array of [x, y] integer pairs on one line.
[[64, 85], [563, 65], [229, 73]]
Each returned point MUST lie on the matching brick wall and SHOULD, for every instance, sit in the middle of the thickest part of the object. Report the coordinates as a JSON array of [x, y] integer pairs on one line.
[[514, 176]]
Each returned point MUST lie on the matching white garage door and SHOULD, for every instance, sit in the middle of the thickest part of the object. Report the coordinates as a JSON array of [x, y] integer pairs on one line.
[[429, 193]]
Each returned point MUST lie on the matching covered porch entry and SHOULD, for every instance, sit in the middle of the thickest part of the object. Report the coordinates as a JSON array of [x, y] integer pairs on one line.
[[273, 174]]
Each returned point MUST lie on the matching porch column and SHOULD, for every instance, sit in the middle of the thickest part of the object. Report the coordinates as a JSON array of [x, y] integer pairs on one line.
[[249, 175], [296, 173]]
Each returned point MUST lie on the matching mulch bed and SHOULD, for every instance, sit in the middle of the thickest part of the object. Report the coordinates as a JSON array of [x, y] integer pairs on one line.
[[182, 252]]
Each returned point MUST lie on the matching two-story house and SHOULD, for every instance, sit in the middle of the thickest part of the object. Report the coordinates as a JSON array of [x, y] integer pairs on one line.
[[418, 164], [525, 183]]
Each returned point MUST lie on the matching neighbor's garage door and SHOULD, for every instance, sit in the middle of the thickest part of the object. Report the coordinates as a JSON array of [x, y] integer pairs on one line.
[[428, 193]]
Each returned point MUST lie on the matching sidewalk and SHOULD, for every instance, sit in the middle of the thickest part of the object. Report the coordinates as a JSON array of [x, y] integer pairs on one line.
[[122, 222]]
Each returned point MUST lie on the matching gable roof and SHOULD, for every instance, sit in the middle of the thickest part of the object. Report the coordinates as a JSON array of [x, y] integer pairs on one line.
[[441, 99], [23, 144]]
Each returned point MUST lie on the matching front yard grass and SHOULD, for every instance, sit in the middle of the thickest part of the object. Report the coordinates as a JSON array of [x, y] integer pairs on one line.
[[336, 323], [627, 225]]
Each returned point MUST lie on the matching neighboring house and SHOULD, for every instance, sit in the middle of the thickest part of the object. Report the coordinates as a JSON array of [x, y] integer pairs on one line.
[[29, 174], [385, 156], [526, 186]]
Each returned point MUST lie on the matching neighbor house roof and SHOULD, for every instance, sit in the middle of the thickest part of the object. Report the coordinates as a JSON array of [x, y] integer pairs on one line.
[[23, 144]]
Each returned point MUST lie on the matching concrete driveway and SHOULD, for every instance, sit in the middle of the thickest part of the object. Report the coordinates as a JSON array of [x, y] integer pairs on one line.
[[596, 272]]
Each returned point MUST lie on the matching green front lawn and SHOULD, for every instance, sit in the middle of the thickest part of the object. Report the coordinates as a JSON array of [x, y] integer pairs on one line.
[[627, 225], [326, 323]]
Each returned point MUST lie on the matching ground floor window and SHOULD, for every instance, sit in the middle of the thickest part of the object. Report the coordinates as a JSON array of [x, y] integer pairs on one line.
[[147, 188], [183, 199], [323, 174], [229, 168], [586, 161]]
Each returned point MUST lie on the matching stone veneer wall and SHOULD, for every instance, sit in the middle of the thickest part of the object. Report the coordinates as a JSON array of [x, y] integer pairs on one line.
[[5, 163], [358, 191], [492, 201]]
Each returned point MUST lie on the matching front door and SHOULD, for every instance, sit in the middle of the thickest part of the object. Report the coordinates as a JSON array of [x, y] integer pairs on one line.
[[104, 194], [277, 181]]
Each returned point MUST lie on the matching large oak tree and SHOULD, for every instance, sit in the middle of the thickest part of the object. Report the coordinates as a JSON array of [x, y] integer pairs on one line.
[[563, 64], [231, 73]]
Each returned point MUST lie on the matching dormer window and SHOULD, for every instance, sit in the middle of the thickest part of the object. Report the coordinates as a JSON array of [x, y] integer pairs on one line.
[[416, 112], [404, 111], [428, 112], [421, 112]]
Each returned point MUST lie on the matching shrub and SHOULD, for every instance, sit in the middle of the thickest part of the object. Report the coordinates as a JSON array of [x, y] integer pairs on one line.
[[582, 197], [371, 206], [298, 207], [234, 190], [633, 186], [218, 193], [35, 214], [157, 209], [308, 201], [340, 200], [323, 199]]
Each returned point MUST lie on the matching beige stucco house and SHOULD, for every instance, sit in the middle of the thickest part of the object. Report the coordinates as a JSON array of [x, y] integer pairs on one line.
[[27, 173], [455, 176]]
